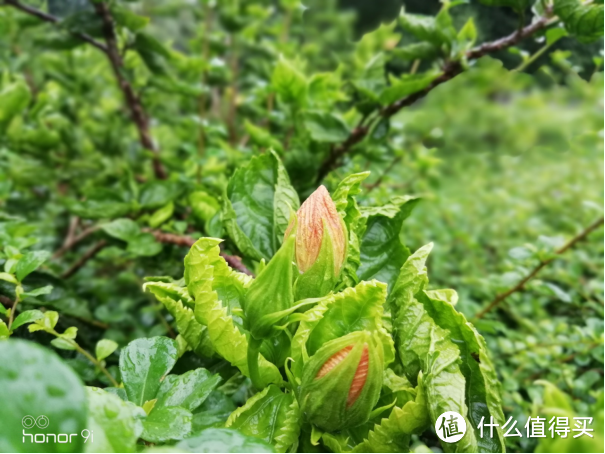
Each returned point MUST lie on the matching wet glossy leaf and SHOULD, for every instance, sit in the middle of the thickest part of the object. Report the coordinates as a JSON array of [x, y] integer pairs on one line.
[[223, 440], [166, 423], [143, 365], [35, 382], [114, 424]]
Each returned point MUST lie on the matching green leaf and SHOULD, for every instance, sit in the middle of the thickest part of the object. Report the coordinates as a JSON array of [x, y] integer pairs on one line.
[[104, 348], [382, 253], [256, 209], [270, 415], [144, 245], [393, 434], [354, 309], [223, 440], [114, 424], [326, 127], [554, 34], [412, 277], [483, 394], [517, 5], [346, 205], [406, 85], [39, 291], [156, 194], [34, 381], [62, 344], [148, 43], [178, 303], [126, 18], [8, 278], [262, 137], [98, 209], [585, 21], [203, 205], [207, 276], [468, 34], [123, 229], [4, 332], [49, 321], [271, 293], [14, 98], [161, 215], [143, 364], [29, 263], [289, 83], [424, 346], [189, 390], [167, 423], [415, 51], [26, 317], [83, 21], [446, 295], [436, 30]]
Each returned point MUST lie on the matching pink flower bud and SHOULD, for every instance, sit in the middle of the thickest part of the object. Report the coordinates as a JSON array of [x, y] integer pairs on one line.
[[315, 213]]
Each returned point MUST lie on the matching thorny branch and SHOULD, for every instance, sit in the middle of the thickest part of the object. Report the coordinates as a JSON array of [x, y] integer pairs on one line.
[[450, 70], [521, 284], [110, 49]]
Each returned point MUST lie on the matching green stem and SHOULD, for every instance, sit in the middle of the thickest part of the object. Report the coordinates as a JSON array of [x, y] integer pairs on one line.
[[533, 58], [91, 358], [253, 351], [11, 317]]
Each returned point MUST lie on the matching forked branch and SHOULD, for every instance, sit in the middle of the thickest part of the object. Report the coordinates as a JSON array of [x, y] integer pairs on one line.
[[449, 71], [521, 284]]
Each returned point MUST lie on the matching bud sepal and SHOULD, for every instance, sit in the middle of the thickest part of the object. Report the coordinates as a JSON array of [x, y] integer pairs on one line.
[[341, 383]]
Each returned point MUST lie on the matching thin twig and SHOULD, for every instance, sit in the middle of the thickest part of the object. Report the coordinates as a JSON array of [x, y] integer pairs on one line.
[[374, 185], [75, 240], [52, 19], [137, 112], [71, 230], [521, 284], [450, 70], [94, 250], [233, 261]]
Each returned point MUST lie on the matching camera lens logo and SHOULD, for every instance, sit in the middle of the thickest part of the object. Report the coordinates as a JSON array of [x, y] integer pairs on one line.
[[450, 427], [29, 422]]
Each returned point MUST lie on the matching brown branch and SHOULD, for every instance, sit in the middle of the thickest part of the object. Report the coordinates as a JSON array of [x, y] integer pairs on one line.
[[67, 245], [137, 112], [52, 19], [110, 49], [233, 261], [450, 70], [93, 251], [521, 284]]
